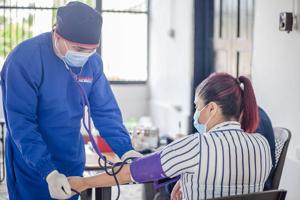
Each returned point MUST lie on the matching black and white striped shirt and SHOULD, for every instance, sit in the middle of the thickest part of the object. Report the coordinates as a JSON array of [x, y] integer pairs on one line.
[[225, 161]]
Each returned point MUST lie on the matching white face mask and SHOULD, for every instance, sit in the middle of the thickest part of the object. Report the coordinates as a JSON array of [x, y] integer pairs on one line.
[[201, 128], [77, 59], [74, 58]]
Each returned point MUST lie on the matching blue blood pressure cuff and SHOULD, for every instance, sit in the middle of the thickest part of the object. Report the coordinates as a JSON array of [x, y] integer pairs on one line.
[[147, 168]]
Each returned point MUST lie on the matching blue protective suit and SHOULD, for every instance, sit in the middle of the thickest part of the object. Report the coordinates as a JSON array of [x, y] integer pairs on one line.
[[43, 109]]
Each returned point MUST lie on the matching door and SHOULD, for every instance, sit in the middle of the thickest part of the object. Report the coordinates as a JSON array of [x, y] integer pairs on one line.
[[223, 38], [233, 36]]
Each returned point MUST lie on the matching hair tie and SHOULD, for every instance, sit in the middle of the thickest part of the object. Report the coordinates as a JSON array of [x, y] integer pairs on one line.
[[241, 85]]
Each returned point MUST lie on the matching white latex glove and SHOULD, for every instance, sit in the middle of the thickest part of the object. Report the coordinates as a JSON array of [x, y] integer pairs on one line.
[[58, 185], [131, 154]]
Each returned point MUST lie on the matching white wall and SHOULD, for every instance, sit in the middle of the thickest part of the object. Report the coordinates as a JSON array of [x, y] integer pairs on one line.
[[133, 100], [171, 63], [276, 79]]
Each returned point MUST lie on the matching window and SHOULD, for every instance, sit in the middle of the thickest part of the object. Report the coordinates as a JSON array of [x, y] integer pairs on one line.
[[124, 40]]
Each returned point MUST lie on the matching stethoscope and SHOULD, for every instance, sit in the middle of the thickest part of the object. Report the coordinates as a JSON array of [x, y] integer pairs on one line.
[[108, 165]]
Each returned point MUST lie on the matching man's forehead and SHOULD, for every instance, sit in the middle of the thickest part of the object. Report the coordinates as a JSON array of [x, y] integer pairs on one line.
[[78, 45], [83, 46]]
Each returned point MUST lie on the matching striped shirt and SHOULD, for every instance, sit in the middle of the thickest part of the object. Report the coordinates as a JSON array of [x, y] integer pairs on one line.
[[222, 162]]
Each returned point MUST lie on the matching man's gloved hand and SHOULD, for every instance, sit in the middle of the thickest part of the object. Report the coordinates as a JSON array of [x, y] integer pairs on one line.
[[131, 154], [58, 185]]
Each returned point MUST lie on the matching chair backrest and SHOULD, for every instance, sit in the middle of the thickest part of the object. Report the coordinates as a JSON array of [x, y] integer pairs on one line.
[[282, 140], [266, 195]]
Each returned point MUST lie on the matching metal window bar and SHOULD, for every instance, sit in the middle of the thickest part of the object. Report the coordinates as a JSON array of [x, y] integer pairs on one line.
[[15, 26], [12, 33], [10, 7]]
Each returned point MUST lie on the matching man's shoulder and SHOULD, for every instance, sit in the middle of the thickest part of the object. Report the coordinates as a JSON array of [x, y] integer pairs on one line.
[[96, 64], [27, 55], [30, 47]]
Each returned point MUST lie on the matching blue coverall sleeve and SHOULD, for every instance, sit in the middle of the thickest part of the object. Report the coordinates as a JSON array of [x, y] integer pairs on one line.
[[21, 82], [107, 117]]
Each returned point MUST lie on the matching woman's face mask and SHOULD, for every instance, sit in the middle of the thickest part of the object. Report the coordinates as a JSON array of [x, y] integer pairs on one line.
[[201, 128]]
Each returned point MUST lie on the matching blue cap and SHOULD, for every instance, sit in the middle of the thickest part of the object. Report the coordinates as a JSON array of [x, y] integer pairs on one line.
[[79, 23]]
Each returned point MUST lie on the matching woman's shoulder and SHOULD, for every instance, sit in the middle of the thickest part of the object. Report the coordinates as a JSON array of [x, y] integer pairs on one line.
[[182, 143], [258, 137]]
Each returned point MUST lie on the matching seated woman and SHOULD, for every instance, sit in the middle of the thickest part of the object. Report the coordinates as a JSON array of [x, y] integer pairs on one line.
[[227, 159], [266, 129]]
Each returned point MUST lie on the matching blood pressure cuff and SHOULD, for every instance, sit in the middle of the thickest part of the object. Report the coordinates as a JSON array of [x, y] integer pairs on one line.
[[147, 168]]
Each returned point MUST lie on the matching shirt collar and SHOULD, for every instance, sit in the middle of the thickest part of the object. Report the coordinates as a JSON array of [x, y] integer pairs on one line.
[[226, 125]]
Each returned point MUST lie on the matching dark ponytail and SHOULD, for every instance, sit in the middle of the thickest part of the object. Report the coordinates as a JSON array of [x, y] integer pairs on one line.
[[234, 95], [249, 108]]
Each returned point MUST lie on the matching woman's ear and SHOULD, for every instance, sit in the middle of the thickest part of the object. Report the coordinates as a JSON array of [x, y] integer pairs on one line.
[[213, 108]]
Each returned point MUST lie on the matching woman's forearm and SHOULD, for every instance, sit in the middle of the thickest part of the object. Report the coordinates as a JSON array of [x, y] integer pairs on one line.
[[144, 169], [104, 180]]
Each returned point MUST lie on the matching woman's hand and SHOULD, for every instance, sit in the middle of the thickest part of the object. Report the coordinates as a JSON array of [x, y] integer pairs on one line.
[[77, 183], [176, 192]]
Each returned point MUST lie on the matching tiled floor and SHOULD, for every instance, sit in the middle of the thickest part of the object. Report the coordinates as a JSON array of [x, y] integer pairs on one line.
[[129, 192]]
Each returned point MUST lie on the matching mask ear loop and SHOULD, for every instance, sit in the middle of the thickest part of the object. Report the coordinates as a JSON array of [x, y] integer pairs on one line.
[[55, 44], [209, 118], [201, 110], [66, 45]]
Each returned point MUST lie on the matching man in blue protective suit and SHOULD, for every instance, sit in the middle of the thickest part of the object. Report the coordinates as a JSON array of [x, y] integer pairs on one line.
[[43, 106]]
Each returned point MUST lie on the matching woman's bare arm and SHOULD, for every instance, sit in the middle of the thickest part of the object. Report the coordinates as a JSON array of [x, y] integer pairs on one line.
[[147, 168], [101, 180]]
